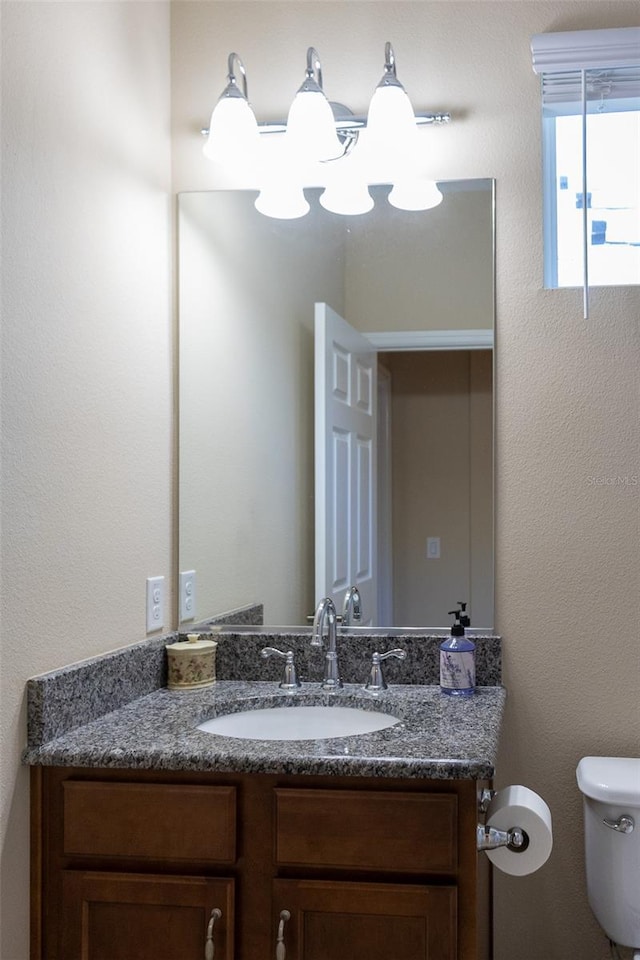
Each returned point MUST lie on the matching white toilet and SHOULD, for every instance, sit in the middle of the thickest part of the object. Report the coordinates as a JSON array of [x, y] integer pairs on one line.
[[611, 788]]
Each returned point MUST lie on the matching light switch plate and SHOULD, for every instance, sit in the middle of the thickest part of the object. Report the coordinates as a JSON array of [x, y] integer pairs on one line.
[[433, 548], [187, 595], [155, 603]]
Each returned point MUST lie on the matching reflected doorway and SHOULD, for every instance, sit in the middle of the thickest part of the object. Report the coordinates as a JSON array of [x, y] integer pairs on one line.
[[435, 484]]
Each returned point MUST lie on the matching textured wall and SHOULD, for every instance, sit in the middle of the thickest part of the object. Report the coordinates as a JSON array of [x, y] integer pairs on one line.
[[567, 390], [87, 357]]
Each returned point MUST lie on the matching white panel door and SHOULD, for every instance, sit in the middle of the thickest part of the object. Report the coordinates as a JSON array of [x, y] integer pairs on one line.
[[345, 462]]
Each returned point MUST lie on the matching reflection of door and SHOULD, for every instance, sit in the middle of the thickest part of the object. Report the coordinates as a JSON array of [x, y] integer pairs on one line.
[[345, 462]]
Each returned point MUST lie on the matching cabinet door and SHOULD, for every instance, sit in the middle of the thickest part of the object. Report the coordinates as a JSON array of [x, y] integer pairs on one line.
[[116, 916], [365, 921], [357, 830]]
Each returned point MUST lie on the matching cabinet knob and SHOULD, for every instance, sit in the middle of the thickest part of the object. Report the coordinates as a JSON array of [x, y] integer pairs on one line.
[[281, 952], [209, 949]]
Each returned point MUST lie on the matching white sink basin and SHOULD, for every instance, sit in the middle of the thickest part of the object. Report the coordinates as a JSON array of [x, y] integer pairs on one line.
[[298, 723]]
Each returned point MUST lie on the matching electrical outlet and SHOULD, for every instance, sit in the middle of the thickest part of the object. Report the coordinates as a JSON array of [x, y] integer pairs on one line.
[[433, 548], [187, 595], [155, 603]]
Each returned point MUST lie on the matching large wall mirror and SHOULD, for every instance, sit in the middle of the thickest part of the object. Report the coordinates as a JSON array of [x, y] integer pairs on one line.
[[420, 287]]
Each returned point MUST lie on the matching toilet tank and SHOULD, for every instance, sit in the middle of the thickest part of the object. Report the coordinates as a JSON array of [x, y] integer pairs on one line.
[[611, 790]]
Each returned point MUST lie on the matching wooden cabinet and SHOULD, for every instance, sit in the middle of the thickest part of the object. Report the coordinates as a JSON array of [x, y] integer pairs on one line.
[[367, 921], [379, 830], [129, 865], [116, 916]]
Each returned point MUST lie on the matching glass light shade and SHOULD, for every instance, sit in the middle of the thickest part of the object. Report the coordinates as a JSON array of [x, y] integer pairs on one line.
[[347, 196], [282, 201], [415, 195], [233, 131], [391, 122], [311, 129]]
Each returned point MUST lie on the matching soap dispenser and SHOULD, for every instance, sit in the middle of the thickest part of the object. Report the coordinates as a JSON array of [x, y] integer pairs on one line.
[[457, 661]]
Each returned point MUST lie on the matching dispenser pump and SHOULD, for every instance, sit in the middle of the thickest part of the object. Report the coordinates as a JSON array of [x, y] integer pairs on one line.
[[457, 630], [465, 619]]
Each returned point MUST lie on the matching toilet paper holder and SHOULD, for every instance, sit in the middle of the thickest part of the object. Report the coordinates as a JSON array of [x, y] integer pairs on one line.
[[485, 796], [488, 838]]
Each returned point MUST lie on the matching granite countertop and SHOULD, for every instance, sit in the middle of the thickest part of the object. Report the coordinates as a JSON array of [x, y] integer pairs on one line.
[[437, 737]]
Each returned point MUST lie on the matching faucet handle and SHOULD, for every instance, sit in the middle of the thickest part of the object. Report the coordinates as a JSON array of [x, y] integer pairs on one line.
[[376, 677], [290, 681]]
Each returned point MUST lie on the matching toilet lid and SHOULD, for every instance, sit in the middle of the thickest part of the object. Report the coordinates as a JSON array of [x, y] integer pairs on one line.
[[610, 779]]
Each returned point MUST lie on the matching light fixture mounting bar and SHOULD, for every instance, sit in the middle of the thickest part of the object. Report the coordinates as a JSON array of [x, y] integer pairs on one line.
[[346, 125]]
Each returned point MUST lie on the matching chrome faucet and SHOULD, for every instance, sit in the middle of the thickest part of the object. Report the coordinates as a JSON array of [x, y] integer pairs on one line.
[[352, 607], [326, 612]]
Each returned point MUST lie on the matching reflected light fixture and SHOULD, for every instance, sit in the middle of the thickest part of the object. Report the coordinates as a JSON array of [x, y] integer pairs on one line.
[[348, 196], [415, 195], [322, 145], [282, 200]]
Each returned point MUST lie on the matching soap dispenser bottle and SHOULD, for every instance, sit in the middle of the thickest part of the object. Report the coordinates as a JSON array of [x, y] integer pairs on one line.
[[457, 661]]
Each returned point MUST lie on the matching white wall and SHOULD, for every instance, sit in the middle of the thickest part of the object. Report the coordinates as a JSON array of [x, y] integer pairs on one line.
[[432, 271], [87, 357], [246, 399], [567, 390]]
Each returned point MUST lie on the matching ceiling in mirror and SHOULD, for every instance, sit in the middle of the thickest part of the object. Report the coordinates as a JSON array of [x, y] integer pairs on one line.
[[248, 285]]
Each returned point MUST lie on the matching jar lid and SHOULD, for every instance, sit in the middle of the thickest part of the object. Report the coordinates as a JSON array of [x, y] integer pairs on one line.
[[194, 644]]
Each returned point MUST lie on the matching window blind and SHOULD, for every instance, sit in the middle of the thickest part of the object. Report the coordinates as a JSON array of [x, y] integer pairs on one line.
[[594, 75], [610, 57]]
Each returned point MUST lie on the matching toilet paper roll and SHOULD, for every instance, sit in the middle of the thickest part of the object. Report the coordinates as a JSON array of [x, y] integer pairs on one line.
[[517, 806]]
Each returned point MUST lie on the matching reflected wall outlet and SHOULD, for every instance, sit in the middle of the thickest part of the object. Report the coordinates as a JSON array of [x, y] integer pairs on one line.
[[433, 548], [155, 603], [187, 595]]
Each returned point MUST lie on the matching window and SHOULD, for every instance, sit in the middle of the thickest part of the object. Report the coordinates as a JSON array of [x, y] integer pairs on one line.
[[591, 135]]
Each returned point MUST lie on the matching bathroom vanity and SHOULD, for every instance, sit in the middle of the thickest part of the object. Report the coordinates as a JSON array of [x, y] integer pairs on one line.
[[134, 862], [154, 840]]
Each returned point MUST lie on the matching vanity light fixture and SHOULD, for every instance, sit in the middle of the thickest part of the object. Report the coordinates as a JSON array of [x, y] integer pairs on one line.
[[392, 130], [391, 122], [311, 130], [232, 135], [326, 143]]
